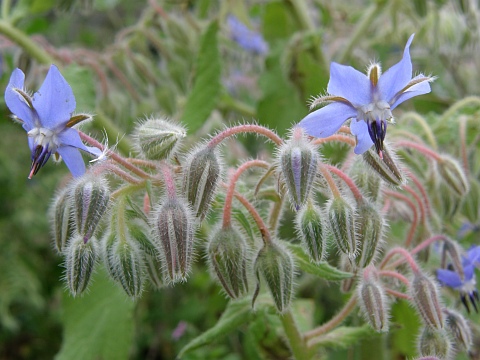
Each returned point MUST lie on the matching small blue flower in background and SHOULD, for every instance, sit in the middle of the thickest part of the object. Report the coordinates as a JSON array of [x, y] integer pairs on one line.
[[466, 285], [47, 119], [367, 99], [249, 40]]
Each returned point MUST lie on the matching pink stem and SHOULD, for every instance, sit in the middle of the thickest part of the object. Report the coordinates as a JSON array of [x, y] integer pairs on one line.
[[407, 257], [245, 129], [337, 137], [423, 192], [418, 200], [410, 203], [397, 294], [395, 275], [355, 190], [423, 149], [169, 180]]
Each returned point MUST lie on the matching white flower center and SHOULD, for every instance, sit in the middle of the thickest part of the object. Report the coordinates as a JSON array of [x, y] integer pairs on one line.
[[44, 137], [377, 110]]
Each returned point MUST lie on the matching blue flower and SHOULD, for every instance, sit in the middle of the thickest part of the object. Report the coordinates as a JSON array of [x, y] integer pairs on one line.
[[465, 283], [366, 99], [249, 40], [47, 119]]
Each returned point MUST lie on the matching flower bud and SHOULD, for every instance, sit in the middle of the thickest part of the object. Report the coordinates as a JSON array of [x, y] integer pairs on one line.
[[471, 204], [227, 254], [341, 217], [80, 260], [62, 221], [373, 302], [158, 139], [434, 342], [90, 197], [448, 201], [298, 164], [345, 264], [275, 265], [387, 167], [200, 179], [369, 232], [367, 181], [173, 230], [312, 231], [458, 327], [453, 175], [424, 293]]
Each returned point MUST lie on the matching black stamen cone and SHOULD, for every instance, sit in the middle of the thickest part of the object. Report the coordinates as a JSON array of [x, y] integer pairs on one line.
[[377, 130], [39, 157]]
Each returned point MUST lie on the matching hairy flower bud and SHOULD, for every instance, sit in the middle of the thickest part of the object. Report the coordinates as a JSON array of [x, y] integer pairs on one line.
[[201, 174], [373, 302], [387, 167], [173, 229], [312, 231], [62, 222], [91, 196], [453, 175], [158, 139], [458, 327], [345, 264], [341, 217], [424, 293], [275, 265], [227, 254], [434, 342], [367, 181], [298, 160], [369, 232], [80, 258]]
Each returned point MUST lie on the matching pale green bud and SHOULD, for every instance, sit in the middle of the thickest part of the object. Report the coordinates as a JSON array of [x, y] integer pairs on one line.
[[62, 221], [201, 174], [373, 303], [434, 342], [312, 231], [275, 265], [158, 139], [453, 175], [458, 327], [227, 255], [387, 168], [341, 218], [80, 258], [173, 229], [298, 160], [424, 293], [369, 232], [367, 181]]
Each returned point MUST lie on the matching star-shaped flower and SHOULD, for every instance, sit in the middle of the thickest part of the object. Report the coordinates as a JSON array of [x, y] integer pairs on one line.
[[47, 119], [465, 284], [366, 99]]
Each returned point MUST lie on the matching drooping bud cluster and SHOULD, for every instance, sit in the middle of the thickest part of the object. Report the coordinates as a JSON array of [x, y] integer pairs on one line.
[[387, 168], [459, 329], [424, 293], [453, 175], [298, 161], [312, 231], [158, 139], [341, 217], [80, 259], [434, 342], [201, 175], [369, 232], [367, 181], [62, 221], [274, 265], [227, 255]]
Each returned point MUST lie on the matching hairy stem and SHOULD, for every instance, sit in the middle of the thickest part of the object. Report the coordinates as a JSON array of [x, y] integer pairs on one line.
[[406, 255], [295, 339], [245, 129], [353, 188]]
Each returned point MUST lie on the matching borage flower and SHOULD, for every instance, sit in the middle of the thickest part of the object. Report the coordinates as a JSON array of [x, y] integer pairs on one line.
[[367, 99], [47, 119], [465, 284]]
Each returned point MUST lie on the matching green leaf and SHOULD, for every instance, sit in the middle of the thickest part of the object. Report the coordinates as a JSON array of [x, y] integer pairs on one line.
[[98, 325], [344, 336], [322, 270], [236, 314], [206, 89]]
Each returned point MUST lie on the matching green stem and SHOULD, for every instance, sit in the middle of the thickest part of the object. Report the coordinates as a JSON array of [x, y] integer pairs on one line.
[[370, 14], [469, 100], [295, 338], [5, 9], [24, 41], [426, 128]]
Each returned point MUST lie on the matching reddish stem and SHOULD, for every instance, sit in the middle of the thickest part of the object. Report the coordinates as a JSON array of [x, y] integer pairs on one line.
[[395, 275], [423, 149], [330, 181], [354, 189], [407, 257], [423, 192], [249, 128], [336, 137], [410, 203], [397, 294], [418, 200], [169, 179]]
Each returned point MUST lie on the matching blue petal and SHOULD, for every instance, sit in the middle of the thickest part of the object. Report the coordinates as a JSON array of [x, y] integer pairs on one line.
[[54, 101], [449, 278], [474, 255], [16, 103], [468, 272], [360, 130], [398, 76], [70, 137], [73, 159], [350, 84], [415, 90], [327, 120]]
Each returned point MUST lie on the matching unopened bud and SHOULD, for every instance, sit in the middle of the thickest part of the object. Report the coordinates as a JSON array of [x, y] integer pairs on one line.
[[275, 265], [158, 139], [312, 231], [459, 328], [373, 302], [347, 266], [91, 197], [434, 342], [471, 203], [387, 167], [173, 229], [298, 164], [369, 232], [79, 263], [62, 221], [424, 293], [200, 179], [368, 182], [449, 201], [227, 254], [341, 217], [453, 175]]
